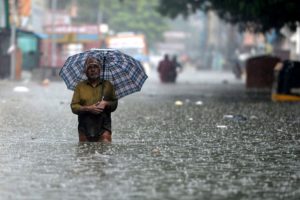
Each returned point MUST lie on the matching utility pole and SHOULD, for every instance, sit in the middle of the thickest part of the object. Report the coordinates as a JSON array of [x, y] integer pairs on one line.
[[6, 14], [13, 46], [53, 42]]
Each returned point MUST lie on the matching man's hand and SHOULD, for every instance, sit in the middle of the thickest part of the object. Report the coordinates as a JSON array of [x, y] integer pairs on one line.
[[102, 104], [95, 109]]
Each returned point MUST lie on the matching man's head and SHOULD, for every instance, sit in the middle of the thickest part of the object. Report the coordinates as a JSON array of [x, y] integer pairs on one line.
[[166, 57], [92, 68]]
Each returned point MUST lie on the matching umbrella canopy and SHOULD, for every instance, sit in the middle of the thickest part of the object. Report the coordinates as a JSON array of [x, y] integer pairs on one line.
[[124, 72]]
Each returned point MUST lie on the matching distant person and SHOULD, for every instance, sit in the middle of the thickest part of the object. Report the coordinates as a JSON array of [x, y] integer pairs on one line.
[[93, 101], [236, 65], [165, 69], [176, 68]]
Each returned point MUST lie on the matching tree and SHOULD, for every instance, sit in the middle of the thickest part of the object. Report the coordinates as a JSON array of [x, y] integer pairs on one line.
[[255, 15], [137, 16]]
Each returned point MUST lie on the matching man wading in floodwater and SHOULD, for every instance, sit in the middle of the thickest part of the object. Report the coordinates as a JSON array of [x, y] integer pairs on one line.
[[93, 101]]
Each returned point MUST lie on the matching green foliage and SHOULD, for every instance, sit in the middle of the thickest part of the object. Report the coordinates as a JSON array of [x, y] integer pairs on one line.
[[256, 15], [137, 16]]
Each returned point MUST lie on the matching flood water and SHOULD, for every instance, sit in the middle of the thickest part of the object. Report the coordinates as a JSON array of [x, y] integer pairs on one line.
[[233, 145]]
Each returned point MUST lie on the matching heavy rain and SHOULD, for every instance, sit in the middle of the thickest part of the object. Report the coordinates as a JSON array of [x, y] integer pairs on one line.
[[226, 125]]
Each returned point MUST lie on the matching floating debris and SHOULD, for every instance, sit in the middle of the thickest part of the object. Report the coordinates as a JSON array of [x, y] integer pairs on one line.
[[236, 118], [187, 101], [147, 118], [45, 82], [20, 89], [222, 126], [253, 117], [239, 118], [155, 151], [228, 116], [198, 103], [178, 103], [225, 81]]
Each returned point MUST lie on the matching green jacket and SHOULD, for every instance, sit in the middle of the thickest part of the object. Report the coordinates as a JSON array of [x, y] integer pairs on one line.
[[85, 94]]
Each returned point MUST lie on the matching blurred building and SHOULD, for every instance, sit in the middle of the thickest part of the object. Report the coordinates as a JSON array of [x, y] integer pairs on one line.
[[69, 39], [45, 35], [61, 38], [203, 40], [37, 20], [15, 20], [174, 43]]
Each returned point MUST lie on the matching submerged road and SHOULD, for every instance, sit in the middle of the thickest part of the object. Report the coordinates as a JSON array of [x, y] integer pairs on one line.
[[205, 137]]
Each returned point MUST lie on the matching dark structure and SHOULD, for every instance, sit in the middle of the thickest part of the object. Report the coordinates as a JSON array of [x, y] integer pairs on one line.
[[29, 44], [287, 77], [260, 71], [4, 56]]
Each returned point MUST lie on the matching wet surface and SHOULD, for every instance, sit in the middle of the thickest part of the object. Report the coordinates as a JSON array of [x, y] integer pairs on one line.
[[235, 144]]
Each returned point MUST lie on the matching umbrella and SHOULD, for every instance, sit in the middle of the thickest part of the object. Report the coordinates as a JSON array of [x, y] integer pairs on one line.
[[125, 73]]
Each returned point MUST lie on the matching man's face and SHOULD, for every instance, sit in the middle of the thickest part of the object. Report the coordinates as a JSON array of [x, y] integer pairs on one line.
[[93, 70]]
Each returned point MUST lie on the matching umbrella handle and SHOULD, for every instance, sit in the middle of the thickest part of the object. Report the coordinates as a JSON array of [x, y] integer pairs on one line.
[[103, 69]]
